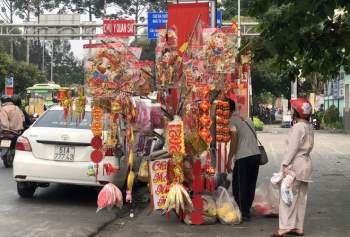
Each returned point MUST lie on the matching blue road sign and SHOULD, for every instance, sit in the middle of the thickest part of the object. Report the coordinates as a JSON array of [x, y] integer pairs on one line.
[[219, 18], [155, 21], [158, 20]]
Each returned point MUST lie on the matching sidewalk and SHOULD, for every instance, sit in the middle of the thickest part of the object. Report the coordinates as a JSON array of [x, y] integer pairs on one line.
[[328, 212]]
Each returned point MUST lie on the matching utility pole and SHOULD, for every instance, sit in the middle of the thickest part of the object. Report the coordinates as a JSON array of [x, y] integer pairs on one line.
[[239, 24], [11, 21], [213, 13], [43, 59], [28, 40], [51, 74]]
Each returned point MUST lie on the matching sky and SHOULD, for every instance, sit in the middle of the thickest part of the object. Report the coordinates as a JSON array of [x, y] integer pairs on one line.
[[76, 45]]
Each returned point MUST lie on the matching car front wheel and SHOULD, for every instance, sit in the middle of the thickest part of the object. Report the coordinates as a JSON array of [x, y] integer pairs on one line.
[[26, 189]]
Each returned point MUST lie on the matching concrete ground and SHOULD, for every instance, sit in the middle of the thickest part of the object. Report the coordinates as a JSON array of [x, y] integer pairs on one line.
[[62, 211], [328, 212]]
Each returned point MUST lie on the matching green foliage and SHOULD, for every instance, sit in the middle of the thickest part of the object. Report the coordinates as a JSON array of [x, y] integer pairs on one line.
[[25, 75], [258, 124], [148, 47], [266, 77], [303, 36], [263, 98], [231, 8], [336, 125], [331, 116]]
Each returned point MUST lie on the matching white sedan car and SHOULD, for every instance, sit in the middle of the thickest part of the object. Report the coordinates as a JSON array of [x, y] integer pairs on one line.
[[54, 151]]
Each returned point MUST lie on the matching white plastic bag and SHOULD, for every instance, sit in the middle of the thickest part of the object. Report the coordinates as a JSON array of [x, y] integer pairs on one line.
[[286, 189], [227, 209], [266, 201]]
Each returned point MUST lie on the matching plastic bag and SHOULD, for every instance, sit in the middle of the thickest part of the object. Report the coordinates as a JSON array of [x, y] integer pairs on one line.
[[156, 116], [266, 201], [286, 189], [143, 118], [276, 179], [227, 209], [143, 171], [109, 196], [208, 213]]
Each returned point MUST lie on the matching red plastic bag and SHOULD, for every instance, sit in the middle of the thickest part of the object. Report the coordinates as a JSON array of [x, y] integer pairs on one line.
[[109, 196]]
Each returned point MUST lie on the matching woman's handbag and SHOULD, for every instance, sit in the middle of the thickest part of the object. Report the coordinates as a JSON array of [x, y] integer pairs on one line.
[[263, 155]]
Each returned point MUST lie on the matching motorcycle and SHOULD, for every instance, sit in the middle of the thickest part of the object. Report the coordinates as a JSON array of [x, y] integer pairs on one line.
[[315, 121], [8, 139]]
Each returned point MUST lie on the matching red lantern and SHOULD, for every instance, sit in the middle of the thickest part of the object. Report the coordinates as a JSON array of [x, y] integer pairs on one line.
[[96, 142], [96, 156]]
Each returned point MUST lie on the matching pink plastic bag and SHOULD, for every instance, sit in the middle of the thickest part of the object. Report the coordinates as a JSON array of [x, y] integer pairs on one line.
[[266, 200], [109, 196]]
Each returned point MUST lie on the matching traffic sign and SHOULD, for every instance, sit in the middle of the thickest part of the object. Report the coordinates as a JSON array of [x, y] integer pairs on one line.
[[219, 18], [9, 81], [158, 20], [119, 28], [155, 21]]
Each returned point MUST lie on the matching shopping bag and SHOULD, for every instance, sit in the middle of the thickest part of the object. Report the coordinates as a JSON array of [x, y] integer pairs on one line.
[[227, 210], [286, 189], [208, 211], [266, 201]]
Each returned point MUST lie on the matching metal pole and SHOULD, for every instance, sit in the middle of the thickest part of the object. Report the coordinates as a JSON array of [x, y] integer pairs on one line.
[[43, 60], [11, 21], [51, 79], [239, 24], [213, 14], [28, 40]]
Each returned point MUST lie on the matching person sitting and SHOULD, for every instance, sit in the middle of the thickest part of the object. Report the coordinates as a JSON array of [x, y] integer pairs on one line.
[[11, 116], [18, 102]]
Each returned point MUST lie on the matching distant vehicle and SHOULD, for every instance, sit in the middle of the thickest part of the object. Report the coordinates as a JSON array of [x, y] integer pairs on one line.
[[315, 121], [287, 120], [46, 91], [54, 151]]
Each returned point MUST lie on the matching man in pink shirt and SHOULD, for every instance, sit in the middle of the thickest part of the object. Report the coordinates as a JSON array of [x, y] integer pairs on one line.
[[11, 117]]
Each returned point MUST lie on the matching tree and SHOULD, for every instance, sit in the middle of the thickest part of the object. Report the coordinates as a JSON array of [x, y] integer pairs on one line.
[[24, 8], [304, 37], [25, 75], [67, 69], [231, 8]]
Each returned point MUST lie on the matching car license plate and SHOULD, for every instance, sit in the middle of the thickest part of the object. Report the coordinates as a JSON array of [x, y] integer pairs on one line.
[[64, 153], [5, 143]]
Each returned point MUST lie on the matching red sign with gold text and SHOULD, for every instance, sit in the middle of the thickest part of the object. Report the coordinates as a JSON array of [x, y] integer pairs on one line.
[[119, 28]]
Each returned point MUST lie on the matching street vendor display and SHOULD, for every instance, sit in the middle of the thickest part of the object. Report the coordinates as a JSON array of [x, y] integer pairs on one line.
[[192, 84]]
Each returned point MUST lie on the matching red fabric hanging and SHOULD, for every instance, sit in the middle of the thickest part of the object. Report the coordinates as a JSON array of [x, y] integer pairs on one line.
[[184, 15], [219, 158], [225, 157]]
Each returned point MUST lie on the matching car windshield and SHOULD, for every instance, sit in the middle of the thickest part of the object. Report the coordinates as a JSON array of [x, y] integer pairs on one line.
[[55, 119]]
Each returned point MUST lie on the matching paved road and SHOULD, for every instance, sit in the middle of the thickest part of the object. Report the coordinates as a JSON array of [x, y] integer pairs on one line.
[[328, 213], [70, 211], [54, 211]]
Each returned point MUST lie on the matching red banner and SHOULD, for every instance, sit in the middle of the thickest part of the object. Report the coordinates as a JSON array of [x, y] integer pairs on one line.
[[119, 28], [183, 17]]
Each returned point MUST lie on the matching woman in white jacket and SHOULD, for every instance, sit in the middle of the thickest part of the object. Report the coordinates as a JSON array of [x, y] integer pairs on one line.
[[297, 159]]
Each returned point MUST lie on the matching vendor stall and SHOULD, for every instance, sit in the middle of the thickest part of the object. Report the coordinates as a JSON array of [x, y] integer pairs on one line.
[[173, 127]]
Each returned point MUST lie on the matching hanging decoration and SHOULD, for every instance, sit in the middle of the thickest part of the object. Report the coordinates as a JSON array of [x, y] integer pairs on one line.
[[220, 52], [222, 113]]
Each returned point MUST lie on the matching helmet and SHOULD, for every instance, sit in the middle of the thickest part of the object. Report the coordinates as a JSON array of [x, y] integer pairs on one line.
[[5, 99], [16, 99], [302, 106]]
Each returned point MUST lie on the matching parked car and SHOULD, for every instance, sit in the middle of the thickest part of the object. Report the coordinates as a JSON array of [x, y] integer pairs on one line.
[[54, 151]]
